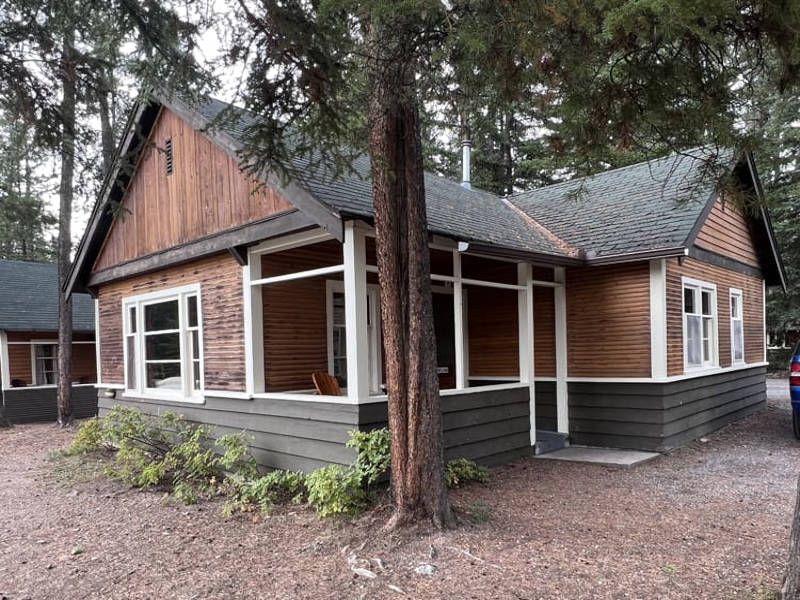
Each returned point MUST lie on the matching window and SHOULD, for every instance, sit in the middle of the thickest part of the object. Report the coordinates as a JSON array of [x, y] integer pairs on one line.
[[737, 326], [45, 363], [163, 344], [337, 335], [699, 324]]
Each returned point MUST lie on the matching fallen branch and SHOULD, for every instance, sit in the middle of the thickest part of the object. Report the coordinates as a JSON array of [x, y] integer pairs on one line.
[[473, 557]]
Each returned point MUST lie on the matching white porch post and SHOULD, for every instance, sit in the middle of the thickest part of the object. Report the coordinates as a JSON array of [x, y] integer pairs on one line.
[[526, 346], [5, 370], [658, 318], [355, 305], [458, 312], [562, 404], [253, 325]]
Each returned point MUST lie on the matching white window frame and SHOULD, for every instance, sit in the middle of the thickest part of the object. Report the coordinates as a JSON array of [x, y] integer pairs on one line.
[[34, 372], [700, 286], [181, 294], [374, 338], [735, 292]]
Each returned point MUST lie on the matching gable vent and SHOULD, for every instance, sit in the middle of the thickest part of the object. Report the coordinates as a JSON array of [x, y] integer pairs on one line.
[[168, 155]]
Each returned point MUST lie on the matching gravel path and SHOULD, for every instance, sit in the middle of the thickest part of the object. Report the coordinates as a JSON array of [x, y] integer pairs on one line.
[[710, 520]]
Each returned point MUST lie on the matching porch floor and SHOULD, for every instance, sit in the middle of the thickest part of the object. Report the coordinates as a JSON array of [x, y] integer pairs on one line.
[[612, 457]]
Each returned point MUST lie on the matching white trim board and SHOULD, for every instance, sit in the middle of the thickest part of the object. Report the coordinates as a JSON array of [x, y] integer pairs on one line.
[[691, 375], [658, 318]]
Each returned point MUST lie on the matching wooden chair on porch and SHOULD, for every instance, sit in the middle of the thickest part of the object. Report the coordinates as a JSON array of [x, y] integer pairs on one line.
[[326, 384]]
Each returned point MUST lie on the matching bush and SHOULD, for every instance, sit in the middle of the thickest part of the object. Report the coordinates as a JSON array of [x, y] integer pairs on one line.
[[461, 471], [372, 454], [89, 438], [335, 490], [262, 493], [166, 452]]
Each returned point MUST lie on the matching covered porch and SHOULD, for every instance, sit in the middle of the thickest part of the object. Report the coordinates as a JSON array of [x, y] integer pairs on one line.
[[312, 304]]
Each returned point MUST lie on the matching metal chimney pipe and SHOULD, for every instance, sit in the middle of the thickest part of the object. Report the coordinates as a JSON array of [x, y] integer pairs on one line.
[[466, 146]]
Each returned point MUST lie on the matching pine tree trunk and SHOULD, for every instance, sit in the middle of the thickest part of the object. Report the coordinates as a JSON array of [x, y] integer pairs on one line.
[[415, 420], [106, 128], [791, 581], [64, 233]]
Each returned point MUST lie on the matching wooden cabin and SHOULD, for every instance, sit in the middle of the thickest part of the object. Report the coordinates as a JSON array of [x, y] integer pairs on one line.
[[628, 314], [29, 344]]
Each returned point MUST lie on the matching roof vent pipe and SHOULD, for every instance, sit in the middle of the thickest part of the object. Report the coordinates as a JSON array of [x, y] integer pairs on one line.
[[466, 146]]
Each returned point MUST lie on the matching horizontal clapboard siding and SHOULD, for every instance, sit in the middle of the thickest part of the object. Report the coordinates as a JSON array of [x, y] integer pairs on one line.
[[285, 434], [727, 232], [30, 405], [490, 427], [608, 321], [661, 416]]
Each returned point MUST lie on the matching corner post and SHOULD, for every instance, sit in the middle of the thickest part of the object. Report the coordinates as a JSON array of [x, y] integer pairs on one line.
[[562, 400], [355, 305], [526, 345], [97, 355], [658, 318], [253, 325], [458, 312], [5, 370]]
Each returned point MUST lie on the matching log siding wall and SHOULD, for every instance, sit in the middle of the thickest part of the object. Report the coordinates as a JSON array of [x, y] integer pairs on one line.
[[608, 321], [206, 194], [20, 368], [220, 279], [724, 279]]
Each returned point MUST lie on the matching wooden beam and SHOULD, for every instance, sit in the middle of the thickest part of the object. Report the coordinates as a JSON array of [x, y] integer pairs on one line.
[[239, 254], [281, 224]]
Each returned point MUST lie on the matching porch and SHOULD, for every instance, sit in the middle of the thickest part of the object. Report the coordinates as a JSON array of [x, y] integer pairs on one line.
[[313, 304]]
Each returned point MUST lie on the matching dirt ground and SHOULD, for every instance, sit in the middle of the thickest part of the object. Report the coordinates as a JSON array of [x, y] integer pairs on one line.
[[710, 520]]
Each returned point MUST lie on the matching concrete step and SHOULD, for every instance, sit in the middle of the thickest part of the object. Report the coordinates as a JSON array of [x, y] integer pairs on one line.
[[549, 441]]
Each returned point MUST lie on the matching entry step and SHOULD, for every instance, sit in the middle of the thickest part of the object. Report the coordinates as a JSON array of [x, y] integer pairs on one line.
[[549, 441]]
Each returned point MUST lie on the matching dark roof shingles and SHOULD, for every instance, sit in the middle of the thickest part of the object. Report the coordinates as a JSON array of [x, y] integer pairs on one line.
[[29, 299]]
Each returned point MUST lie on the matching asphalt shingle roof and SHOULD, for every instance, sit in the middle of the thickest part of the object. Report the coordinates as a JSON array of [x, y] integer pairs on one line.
[[29, 299], [469, 215], [643, 207], [646, 206]]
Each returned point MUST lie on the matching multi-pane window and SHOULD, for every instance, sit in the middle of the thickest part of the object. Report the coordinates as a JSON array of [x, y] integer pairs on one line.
[[699, 324], [339, 337], [737, 326], [163, 343], [45, 364]]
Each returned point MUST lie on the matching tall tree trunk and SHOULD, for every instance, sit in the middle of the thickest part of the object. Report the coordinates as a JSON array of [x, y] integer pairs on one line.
[[398, 191], [64, 228], [791, 580]]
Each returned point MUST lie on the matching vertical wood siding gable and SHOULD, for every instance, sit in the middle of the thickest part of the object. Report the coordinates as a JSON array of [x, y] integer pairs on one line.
[[727, 232], [206, 194]]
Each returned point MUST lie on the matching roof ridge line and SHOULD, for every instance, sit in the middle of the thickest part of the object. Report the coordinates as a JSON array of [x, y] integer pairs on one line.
[[534, 224]]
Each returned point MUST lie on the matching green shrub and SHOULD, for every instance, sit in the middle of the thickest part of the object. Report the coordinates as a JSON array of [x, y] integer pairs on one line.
[[372, 454], [89, 438], [335, 490], [461, 471], [262, 493], [169, 453]]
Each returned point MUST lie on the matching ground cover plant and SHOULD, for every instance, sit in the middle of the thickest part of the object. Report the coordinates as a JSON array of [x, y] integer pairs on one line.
[[187, 461]]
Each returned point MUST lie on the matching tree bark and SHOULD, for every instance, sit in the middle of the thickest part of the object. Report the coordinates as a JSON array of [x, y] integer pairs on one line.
[[415, 421], [68, 80], [791, 579]]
